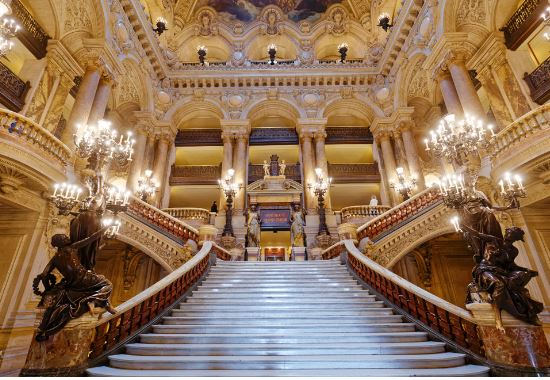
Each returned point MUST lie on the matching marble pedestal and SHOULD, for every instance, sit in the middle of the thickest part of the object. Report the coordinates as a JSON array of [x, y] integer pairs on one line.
[[315, 253], [253, 253], [298, 254]]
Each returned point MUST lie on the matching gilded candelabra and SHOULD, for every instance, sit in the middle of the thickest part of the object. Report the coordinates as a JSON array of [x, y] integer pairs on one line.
[[320, 188]]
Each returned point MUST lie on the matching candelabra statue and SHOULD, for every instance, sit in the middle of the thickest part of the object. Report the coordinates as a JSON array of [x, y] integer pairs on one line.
[[404, 186], [201, 51], [343, 50], [496, 278], [230, 189], [272, 51], [320, 188], [81, 288], [147, 186]]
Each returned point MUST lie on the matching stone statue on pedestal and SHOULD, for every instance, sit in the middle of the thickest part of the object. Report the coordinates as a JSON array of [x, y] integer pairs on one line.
[[297, 234], [253, 227], [266, 169], [282, 168]]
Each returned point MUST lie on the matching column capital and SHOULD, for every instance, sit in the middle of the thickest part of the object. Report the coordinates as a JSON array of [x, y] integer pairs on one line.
[[405, 125], [312, 125], [320, 135], [235, 128]]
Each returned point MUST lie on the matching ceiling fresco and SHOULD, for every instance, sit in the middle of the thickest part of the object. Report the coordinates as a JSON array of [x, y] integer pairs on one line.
[[248, 10]]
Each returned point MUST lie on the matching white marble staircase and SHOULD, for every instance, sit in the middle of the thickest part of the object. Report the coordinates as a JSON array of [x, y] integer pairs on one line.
[[284, 319]]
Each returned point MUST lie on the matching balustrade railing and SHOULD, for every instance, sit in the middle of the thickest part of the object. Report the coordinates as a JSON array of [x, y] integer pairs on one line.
[[353, 214], [165, 223], [189, 214], [451, 321], [195, 175], [31, 33], [527, 125], [523, 22], [418, 204], [353, 173], [25, 131], [539, 82], [12, 89], [139, 311]]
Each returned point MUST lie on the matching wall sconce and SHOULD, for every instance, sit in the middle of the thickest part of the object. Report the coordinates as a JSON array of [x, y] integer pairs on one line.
[[384, 21], [272, 51], [201, 51], [404, 186], [343, 50], [161, 26]]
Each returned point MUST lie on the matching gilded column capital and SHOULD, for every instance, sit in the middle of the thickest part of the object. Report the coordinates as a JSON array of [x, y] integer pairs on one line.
[[312, 125], [306, 135], [320, 135], [236, 128], [405, 125]]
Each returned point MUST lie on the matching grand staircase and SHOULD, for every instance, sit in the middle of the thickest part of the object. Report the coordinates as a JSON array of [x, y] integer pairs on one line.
[[285, 319]]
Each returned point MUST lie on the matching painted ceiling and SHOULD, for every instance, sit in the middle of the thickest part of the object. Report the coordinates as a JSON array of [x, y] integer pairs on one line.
[[248, 10]]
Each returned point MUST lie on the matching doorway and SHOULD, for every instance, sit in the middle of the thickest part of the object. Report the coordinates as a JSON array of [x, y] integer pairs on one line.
[[275, 245]]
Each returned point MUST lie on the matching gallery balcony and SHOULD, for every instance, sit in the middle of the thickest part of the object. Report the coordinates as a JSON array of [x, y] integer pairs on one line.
[[523, 22], [31, 33], [539, 82], [12, 89], [195, 175]]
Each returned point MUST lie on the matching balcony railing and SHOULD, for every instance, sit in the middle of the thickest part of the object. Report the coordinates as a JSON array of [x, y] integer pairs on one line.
[[539, 82], [360, 214], [190, 215], [195, 175], [523, 22], [12, 89], [354, 173], [25, 131], [31, 34]]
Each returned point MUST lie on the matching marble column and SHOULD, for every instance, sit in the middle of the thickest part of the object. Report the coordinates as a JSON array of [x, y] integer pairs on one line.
[[83, 103], [148, 155], [136, 166], [52, 116], [100, 100], [164, 191], [411, 152], [450, 96], [389, 163], [227, 164], [384, 189], [240, 162], [465, 89], [308, 165], [161, 160], [321, 160], [496, 99]]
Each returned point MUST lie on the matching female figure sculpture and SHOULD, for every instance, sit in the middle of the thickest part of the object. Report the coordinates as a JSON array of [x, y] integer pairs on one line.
[[297, 235], [78, 292], [253, 227]]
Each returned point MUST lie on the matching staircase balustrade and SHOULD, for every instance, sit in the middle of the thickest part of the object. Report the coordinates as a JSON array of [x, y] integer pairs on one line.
[[142, 309], [352, 213], [27, 133], [189, 214], [164, 222], [413, 207]]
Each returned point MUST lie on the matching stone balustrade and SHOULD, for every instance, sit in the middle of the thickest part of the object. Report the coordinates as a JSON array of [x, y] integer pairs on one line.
[[194, 216], [361, 214], [28, 134], [160, 220], [383, 224]]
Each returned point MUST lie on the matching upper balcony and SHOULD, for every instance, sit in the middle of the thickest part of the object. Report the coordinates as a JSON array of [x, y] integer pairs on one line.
[[31, 34], [539, 82], [523, 22], [12, 89]]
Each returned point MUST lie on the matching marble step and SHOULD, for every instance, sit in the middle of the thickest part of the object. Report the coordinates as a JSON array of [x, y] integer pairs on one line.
[[310, 306], [438, 360], [279, 321], [460, 371], [286, 349], [326, 271], [277, 263], [281, 287], [316, 283], [303, 338], [254, 298], [238, 314]]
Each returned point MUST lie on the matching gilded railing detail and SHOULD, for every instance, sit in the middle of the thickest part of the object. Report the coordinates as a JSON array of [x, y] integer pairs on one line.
[[539, 82], [12, 89], [189, 214], [523, 22], [20, 129], [31, 34], [363, 213]]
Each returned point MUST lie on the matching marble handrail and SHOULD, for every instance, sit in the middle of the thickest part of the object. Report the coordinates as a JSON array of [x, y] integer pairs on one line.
[[457, 324], [413, 206], [522, 128], [22, 129], [144, 307], [162, 220], [189, 213], [362, 211]]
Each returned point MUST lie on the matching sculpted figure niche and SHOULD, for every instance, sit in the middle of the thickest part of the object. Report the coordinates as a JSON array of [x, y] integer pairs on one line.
[[271, 18], [206, 25]]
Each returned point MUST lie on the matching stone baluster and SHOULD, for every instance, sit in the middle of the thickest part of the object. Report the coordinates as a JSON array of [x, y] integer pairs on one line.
[[411, 153], [101, 99], [83, 102], [465, 88]]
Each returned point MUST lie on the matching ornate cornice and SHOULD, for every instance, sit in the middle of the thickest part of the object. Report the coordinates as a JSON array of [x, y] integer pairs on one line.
[[450, 46], [491, 54]]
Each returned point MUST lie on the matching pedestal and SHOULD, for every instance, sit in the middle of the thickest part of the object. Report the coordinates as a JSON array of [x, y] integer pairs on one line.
[[298, 254], [315, 253], [253, 253], [207, 232]]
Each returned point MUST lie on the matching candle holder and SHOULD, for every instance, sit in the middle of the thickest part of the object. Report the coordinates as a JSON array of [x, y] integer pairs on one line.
[[201, 51], [343, 50], [384, 21], [114, 223], [511, 188], [404, 186], [230, 189], [147, 186], [161, 26], [453, 191], [320, 188], [272, 51], [65, 197], [117, 199], [8, 28]]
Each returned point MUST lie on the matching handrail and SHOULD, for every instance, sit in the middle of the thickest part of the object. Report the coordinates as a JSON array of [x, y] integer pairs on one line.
[[138, 311], [189, 213], [167, 223], [21, 128], [449, 320], [418, 203], [333, 251]]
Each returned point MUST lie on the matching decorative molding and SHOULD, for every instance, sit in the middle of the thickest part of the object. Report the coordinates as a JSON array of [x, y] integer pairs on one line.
[[273, 136], [195, 175], [354, 173], [199, 137], [348, 135], [256, 172]]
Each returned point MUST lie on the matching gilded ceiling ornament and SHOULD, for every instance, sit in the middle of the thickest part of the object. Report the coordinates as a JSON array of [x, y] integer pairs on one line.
[[338, 24], [271, 16], [206, 23]]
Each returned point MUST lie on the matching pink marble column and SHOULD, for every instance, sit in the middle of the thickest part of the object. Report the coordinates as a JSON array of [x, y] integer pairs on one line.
[[82, 104], [415, 168], [148, 155], [321, 160], [389, 163], [100, 100], [227, 164], [308, 167], [384, 189], [240, 162], [450, 96], [161, 160], [465, 89]]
